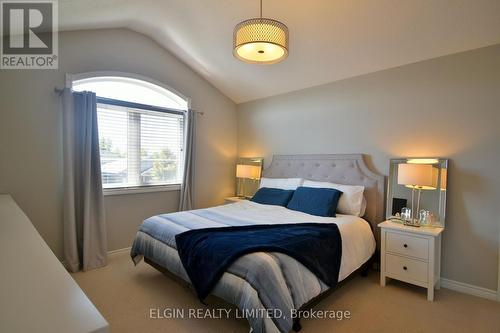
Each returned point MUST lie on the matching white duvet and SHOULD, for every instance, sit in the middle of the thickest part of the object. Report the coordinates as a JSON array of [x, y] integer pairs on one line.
[[358, 243]]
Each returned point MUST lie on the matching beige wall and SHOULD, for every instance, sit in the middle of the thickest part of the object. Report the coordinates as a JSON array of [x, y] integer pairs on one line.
[[31, 137], [447, 107]]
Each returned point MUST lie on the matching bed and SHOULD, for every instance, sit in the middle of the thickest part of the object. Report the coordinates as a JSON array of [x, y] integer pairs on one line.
[[260, 281]]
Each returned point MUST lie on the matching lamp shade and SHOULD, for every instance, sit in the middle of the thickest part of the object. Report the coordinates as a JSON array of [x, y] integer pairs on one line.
[[422, 176], [247, 171], [260, 41]]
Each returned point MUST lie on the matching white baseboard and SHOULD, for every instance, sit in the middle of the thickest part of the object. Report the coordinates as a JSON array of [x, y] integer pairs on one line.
[[119, 251], [469, 289], [110, 253]]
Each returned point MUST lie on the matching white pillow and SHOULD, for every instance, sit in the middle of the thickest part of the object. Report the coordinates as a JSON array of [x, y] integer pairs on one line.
[[352, 198], [281, 183], [363, 207]]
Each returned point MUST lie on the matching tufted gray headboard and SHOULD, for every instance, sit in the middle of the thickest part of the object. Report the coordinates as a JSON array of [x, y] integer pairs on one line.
[[348, 169]]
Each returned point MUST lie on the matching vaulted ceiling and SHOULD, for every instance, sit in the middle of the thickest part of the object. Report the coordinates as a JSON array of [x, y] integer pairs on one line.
[[329, 39]]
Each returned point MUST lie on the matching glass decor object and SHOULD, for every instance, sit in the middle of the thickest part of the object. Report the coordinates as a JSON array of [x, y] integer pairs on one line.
[[424, 217], [260, 40], [422, 184], [405, 214]]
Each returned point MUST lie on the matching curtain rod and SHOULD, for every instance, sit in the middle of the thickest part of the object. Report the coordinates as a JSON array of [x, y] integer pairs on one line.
[[59, 91]]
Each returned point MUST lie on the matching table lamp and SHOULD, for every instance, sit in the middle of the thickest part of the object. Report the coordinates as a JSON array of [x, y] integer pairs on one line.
[[247, 171], [417, 177]]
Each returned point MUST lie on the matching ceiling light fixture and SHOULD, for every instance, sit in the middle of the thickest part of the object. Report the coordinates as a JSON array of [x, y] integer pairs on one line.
[[260, 40]]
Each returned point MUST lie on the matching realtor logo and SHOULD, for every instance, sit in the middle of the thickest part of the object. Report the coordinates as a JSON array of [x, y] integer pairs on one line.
[[29, 34]]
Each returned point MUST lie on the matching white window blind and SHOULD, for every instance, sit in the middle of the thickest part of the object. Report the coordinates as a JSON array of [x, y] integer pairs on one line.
[[139, 147]]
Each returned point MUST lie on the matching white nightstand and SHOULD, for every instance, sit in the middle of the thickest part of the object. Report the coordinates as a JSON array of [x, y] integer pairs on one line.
[[233, 200], [411, 255]]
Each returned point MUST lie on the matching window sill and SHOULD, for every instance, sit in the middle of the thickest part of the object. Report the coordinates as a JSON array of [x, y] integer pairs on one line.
[[141, 189]]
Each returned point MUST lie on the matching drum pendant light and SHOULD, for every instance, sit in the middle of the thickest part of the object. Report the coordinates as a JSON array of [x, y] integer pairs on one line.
[[260, 40]]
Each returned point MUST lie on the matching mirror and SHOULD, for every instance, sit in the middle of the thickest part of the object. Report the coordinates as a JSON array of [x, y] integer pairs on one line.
[[246, 187], [432, 175]]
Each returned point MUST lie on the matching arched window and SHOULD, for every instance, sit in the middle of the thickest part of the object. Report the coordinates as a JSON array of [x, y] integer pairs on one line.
[[141, 131], [131, 90]]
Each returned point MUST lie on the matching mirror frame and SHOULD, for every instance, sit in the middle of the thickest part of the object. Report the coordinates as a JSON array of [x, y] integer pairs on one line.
[[443, 164]]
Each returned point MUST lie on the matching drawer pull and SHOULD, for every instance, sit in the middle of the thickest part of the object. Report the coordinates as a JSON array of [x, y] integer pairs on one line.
[[406, 245], [405, 268]]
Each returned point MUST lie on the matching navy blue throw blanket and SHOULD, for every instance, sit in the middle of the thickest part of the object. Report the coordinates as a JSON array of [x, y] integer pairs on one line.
[[207, 253]]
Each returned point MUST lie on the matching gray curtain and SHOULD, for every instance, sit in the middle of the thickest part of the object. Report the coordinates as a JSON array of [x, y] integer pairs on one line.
[[85, 242], [187, 187]]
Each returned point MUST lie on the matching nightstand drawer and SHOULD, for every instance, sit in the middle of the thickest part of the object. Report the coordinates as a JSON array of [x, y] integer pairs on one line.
[[411, 255], [407, 245], [405, 268]]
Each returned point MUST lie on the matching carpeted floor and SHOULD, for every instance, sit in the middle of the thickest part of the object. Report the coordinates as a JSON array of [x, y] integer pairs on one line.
[[124, 294]]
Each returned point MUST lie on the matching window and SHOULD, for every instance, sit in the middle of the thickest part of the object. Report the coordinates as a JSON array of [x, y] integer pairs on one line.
[[141, 132]]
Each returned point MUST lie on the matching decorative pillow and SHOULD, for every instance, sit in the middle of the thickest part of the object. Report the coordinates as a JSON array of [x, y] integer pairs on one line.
[[272, 196], [352, 200], [282, 183], [315, 201]]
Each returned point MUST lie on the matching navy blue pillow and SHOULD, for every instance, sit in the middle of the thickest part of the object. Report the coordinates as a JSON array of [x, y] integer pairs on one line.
[[272, 196], [315, 201]]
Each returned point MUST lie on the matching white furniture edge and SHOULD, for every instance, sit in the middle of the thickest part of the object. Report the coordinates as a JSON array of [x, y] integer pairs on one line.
[[429, 231], [38, 294]]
